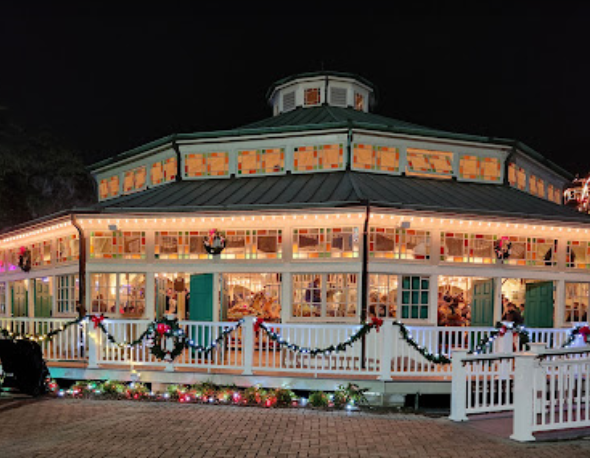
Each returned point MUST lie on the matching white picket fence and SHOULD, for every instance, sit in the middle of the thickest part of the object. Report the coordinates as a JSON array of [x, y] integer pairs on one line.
[[67, 345], [382, 354], [547, 389]]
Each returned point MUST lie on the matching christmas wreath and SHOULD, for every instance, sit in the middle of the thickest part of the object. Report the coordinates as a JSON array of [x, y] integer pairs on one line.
[[214, 243], [161, 334], [24, 259], [502, 248]]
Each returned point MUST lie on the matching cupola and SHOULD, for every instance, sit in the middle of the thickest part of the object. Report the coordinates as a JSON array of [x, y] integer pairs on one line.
[[308, 90]]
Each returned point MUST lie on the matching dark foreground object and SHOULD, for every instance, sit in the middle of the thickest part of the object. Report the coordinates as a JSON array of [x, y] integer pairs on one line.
[[23, 366]]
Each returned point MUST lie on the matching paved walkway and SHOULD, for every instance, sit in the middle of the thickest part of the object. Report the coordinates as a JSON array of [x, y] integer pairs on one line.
[[75, 428]]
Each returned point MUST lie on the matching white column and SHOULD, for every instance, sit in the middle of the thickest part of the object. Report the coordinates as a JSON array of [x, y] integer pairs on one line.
[[386, 343], [248, 344], [150, 296], [286, 297], [433, 300], [94, 337], [559, 306], [459, 387], [497, 299], [30, 297], [524, 377], [54, 296]]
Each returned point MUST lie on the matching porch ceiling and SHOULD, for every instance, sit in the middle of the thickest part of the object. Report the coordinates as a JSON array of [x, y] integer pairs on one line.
[[342, 189]]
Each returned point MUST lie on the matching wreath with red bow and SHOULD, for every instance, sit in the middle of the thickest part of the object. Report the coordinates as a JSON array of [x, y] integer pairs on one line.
[[161, 333], [24, 259]]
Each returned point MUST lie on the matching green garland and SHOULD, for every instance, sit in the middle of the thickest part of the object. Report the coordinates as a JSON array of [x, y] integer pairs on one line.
[[435, 358], [574, 333], [40, 337], [363, 330], [276, 337], [499, 331]]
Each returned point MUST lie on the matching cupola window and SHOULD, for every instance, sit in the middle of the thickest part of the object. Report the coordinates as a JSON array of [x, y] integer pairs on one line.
[[359, 101], [312, 96]]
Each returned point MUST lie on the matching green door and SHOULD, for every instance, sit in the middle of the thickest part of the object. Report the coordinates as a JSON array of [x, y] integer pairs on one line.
[[538, 307], [200, 305], [482, 304], [43, 299], [20, 299]]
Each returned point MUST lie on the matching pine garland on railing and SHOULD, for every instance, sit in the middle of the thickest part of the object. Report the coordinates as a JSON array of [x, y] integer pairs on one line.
[[364, 329], [499, 331], [40, 337], [435, 358], [575, 332]]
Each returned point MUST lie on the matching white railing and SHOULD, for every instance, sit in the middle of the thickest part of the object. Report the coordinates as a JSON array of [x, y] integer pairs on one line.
[[552, 392], [67, 345], [481, 384], [362, 357], [445, 339], [227, 354], [550, 337], [124, 332], [547, 389]]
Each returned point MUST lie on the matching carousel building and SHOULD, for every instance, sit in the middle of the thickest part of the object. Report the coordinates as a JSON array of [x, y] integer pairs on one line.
[[324, 212]]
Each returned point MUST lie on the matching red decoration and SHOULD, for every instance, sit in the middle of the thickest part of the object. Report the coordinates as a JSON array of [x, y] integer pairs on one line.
[[162, 328], [502, 330], [376, 323], [585, 331], [257, 324], [97, 319]]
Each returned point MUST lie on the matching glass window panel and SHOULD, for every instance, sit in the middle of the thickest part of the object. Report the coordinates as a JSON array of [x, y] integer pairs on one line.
[[415, 293], [429, 162], [131, 294], [576, 302], [103, 291], [382, 300], [170, 168], [252, 294], [104, 189], [311, 96], [157, 173], [578, 254], [114, 186], [359, 101]]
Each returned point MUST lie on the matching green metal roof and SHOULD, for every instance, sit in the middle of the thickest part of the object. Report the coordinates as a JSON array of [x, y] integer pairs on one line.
[[342, 189], [328, 117]]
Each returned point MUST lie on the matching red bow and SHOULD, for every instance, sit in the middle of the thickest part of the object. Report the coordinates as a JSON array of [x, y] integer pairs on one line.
[[97, 319], [376, 322], [502, 330], [163, 328], [257, 324], [585, 331]]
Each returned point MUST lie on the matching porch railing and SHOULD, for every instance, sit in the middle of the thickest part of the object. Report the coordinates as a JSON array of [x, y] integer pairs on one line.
[[68, 345]]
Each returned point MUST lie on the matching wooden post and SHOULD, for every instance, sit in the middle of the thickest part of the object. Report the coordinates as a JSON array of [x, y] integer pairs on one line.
[[386, 344], [524, 391], [248, 344], [94, 338], [459, 386]]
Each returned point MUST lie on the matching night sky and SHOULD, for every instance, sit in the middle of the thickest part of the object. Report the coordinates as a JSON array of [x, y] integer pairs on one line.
[[106, 80]]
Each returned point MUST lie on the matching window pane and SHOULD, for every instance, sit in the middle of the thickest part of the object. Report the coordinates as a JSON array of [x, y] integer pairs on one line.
[[382, 301], [252, 294]]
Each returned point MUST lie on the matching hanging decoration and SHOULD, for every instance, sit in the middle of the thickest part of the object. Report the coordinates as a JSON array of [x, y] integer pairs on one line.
[[24, 259], [502, 248], [214, 243], [97, 319], [435, 358], [575, 332], [578, 194], [166, 339], [499, 331]]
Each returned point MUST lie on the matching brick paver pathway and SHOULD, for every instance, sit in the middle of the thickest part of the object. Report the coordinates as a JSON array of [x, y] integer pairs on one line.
[[76, 428]]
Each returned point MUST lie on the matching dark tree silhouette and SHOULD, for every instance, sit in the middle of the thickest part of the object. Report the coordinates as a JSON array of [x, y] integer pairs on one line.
[[38, 175]]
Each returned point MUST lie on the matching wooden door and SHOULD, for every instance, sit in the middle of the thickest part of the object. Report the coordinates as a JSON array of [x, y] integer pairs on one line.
[[538, 307], [20, 299], [201, 303], [482, 303], [43, 299]]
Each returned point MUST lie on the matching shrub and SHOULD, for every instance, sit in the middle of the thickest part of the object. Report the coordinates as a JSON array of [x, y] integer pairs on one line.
[[319, 399], [137, 391], [352, 393], [254, 394], [112, 389], [284, 397]]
